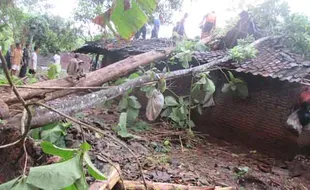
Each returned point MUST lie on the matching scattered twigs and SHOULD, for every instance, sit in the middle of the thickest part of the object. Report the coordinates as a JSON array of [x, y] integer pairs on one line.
[[137, 159], [112, 179], [26, 157], [68, 117], [182, 148], [29, 117], [115, 166]]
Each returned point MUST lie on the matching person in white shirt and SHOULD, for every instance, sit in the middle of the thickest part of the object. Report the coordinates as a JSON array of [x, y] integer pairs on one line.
[[56, 58], [34, 60]]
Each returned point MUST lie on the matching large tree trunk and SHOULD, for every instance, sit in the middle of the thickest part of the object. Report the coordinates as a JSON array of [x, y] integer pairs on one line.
[[95, 78], [76, 104]]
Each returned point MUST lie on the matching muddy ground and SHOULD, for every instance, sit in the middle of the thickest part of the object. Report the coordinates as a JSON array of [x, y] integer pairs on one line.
[[170, 155]]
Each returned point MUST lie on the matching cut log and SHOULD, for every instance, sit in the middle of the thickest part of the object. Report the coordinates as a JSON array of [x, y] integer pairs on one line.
[[113, 178], [95, 78], [136, 185]]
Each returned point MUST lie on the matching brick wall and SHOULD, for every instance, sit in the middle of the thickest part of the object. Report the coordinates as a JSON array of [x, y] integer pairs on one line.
[[258, 121]]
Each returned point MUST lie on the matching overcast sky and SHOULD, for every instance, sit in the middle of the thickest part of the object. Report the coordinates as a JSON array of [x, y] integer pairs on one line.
[[195, 8]]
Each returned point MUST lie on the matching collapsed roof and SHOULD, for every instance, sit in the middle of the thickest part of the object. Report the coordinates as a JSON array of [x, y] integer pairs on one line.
[[272, 60], [128, 47]]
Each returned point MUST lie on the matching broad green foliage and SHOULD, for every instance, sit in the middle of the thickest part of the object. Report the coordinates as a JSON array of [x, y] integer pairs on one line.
[[121, 128], [63, 174], [269, 14], [54, 71], [131, 105], [202, 91], [184, 52], [67, 174], [273, 17], [15, 80], [49, 32], [178, 112], [53, 133], [127, 20], [236, 86], [243, 50], [127, 23], [297, 28]]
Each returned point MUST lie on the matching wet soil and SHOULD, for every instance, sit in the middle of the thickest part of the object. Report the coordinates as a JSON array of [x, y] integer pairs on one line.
[[170, 155]]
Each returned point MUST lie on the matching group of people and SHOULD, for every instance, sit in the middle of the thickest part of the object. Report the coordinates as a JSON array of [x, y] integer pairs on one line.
[[20, 60], [207, 26]]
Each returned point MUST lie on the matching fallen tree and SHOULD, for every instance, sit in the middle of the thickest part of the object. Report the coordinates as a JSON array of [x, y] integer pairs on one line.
[[76, 104], [95, 78], [72, 105]]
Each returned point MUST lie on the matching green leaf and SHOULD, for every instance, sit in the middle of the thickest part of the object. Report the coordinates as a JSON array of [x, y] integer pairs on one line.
[[127, 22], [199, 109], [32, 80], [191, 124], [123, 104], [166, 112], [54, 134], [162, 85], [123, 121], [132, 115], [8, 185], [133, 102], [226, 87], [93, 171], [171, 101], [203, 80], [81, 184], [141, 126], [64, 153], [78, 185], [54, 71], [85, 147], [35, 133], [23, 185], [231, 76], [210, 86], [175, 115], [148, 90], [133, 76], [56, 176], [199, 46], [242, 89]]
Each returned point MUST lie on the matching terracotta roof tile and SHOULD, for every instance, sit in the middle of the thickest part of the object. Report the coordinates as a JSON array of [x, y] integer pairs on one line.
[[274, 61]]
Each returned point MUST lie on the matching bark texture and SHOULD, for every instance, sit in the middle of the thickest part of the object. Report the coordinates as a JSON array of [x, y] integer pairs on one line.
[[95, 78]]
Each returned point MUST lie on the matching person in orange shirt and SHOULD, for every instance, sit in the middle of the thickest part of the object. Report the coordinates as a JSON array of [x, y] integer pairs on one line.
[[16, 58], [208, 24]]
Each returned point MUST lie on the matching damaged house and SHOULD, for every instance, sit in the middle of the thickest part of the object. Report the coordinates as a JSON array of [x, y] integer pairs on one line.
[[267, 119]]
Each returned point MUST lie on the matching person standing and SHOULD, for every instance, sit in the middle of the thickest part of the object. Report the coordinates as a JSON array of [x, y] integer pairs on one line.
[[180, 28], [208, 24], [34, 61], [73, 66], [56, 58], [156, 27], [8, 56], [26, 61], [16, 58], [141, 31]]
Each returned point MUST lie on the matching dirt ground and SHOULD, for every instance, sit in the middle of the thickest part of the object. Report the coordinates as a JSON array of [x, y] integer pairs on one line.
[[169, 155]]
